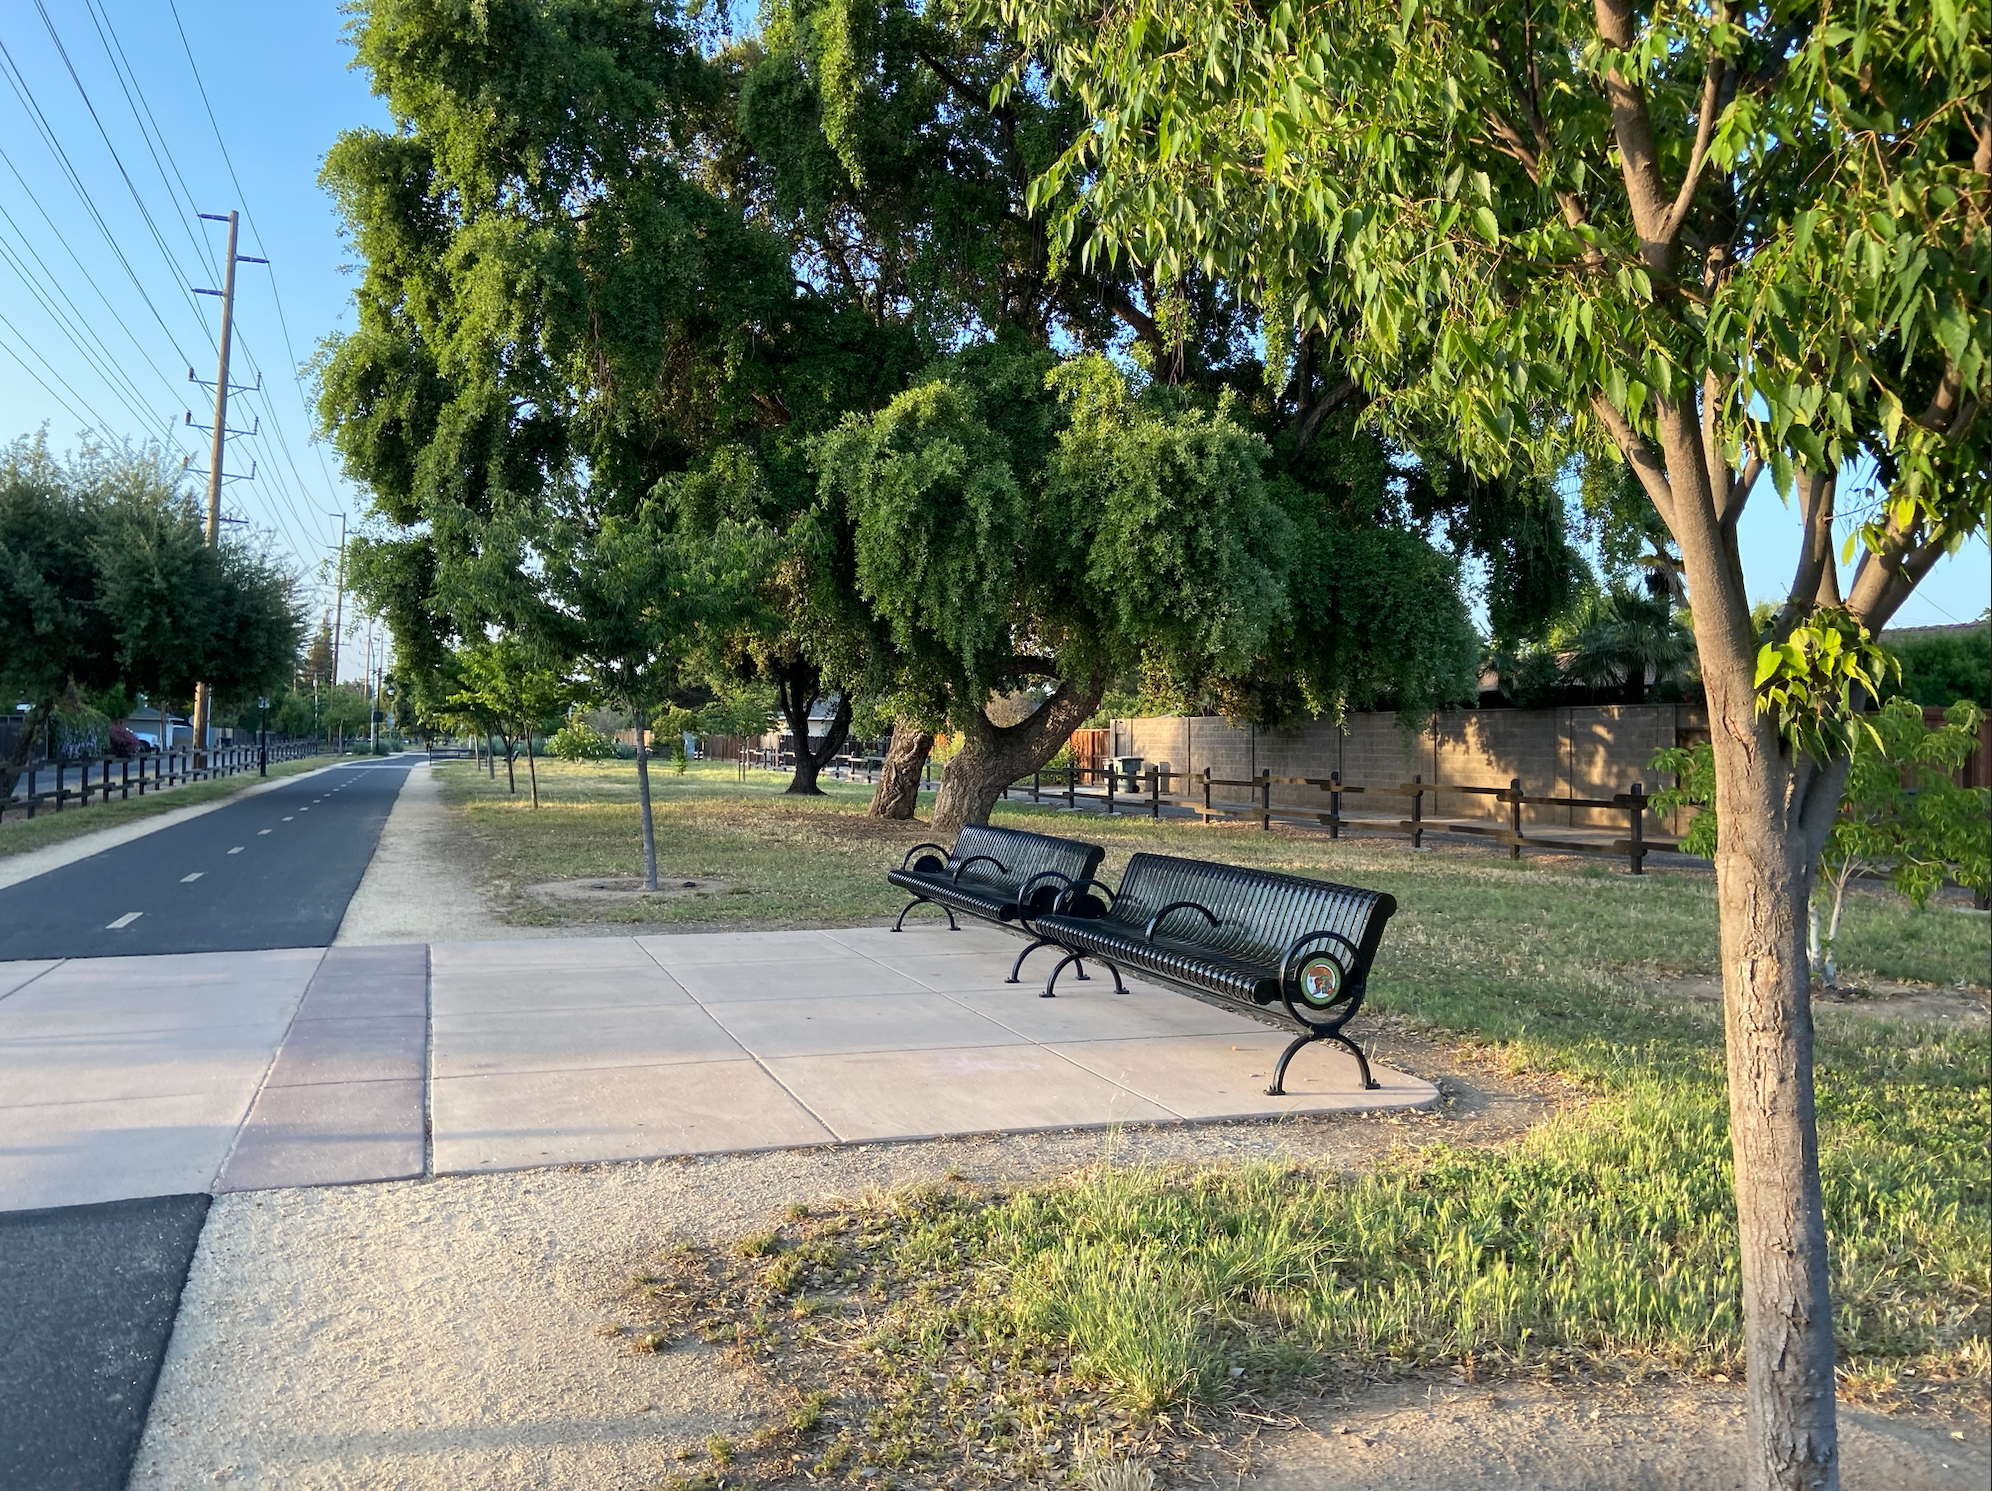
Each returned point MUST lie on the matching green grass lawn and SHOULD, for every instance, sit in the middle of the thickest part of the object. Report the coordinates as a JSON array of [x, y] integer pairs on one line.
[[1105, 1305], [20, 834]]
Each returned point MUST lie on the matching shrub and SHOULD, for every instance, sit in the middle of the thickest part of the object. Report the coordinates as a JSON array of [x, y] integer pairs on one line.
[[577, 740]]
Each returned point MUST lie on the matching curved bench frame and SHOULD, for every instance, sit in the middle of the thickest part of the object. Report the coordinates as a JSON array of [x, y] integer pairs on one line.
[[1317, 1022]]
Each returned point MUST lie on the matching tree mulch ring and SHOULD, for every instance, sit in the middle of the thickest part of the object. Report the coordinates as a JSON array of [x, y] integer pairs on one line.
[[608, 890]]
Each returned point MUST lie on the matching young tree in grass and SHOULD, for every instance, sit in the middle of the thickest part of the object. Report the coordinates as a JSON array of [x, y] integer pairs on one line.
[[1716, 242], [506, 680]]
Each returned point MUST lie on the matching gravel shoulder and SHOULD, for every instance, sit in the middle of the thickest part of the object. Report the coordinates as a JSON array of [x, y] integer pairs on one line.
[[452, 1332]]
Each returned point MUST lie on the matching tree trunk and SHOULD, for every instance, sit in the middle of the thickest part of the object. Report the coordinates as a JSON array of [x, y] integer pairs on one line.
[[511, 777], [24, 746], [993, 756], [898, 791], [532, 771], [1764, 873], [643, 800], [798, 686]]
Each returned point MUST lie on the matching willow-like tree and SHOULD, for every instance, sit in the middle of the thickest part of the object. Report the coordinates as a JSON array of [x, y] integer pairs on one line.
[[1714, 242]]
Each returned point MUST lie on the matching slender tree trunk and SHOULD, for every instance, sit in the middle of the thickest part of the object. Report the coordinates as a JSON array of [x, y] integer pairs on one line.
[[643, 799], [511, 777], [898, 792], [1764, 874], [532, 771], [24, 746], [1776, 811], [993, 756]]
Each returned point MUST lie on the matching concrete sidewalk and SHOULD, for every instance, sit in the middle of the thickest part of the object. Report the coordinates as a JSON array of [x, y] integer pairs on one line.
[[130, 1077]]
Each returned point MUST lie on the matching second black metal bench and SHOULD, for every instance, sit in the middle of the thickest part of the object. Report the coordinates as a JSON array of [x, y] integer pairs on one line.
[[1001, 875], [1250, 937]]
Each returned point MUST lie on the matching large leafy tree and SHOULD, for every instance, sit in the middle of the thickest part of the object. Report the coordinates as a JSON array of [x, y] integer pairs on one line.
[[107, 580], [1713, 242]]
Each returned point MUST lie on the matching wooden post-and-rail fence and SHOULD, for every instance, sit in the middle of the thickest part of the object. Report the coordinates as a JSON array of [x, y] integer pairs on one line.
[[122, 776], [1214, 798]]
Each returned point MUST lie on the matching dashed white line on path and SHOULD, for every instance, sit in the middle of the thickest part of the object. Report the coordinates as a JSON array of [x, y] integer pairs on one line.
[[124, 921], [261, 831], [237, 849], [287, 817], [190, 879]]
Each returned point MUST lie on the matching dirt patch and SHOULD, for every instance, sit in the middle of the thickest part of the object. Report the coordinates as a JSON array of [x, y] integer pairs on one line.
[[1653, 1434], [1877, 998], [597, 891]]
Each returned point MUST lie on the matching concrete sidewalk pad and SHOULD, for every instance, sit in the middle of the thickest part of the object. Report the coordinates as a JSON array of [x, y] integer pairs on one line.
[[329, 1133], [772, 1028], [75, 1154], [579, 1039], [24, 971], [512, 1120], [825, 973], [866, 1097], [1093, 1012], [1211, 1077]]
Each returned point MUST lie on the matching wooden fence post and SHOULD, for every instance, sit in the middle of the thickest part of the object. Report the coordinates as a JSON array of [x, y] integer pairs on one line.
[[1266, 800], [1206, 787], [1417, 811], [1155, 792], [1110, 792], [1071, 785], [1334, 805], [1636, 845], [1515, 816]]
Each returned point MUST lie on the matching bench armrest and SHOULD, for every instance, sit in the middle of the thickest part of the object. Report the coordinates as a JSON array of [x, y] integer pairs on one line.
[[1148, 935], [977, 859], [1024, 895], [1080, 885], [1336, 989], [916, 849]]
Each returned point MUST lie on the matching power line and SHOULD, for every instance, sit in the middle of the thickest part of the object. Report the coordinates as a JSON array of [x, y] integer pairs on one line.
[[283, 320], [17, 80]]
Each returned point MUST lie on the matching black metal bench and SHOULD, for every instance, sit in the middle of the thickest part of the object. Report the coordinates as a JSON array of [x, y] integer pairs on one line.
[[1002, 875], [1250, 937]]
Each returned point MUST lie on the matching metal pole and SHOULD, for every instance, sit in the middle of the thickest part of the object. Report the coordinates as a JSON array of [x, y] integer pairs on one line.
[[338, 600], [216, 453]]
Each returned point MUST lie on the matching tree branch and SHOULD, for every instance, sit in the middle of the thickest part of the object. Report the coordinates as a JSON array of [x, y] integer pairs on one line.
[[1888, 576], [1815, 556], [1639, 455], [1330, 400], [1632, 128], [1704, 128]]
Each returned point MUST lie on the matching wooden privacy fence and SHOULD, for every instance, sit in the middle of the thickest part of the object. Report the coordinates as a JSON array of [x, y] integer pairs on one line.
[[1216, 797], [121, 776]]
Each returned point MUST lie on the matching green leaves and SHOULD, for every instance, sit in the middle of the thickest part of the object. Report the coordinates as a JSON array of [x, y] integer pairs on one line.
[[1809, 681]]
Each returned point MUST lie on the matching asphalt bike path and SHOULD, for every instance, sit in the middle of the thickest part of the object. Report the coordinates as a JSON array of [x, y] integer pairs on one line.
[[273, 870], [88, 1294]]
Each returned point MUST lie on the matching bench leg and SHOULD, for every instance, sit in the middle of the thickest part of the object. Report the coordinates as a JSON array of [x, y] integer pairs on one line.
[[1308, 1038], [900, 925], [1018, 967], [1051, 982]]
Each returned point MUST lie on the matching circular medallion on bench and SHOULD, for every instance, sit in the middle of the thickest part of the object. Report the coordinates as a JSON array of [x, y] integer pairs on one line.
[[1320, 981]]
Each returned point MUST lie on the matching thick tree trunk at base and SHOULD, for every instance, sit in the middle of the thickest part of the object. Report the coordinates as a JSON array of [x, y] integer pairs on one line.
[[993, 756], [1764, 872], [797, 686], [898, 792]]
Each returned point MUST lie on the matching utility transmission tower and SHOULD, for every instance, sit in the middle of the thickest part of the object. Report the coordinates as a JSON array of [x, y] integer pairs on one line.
[[203, 700]]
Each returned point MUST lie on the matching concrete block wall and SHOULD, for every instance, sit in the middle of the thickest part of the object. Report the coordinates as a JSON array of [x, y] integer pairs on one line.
[[1587, 751]]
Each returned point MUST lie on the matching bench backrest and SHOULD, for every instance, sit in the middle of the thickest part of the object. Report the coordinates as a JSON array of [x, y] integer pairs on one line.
[[1262, 911], [1022, 855]]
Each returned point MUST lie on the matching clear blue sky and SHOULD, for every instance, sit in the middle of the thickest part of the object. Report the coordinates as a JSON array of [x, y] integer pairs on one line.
[[100, 337]]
